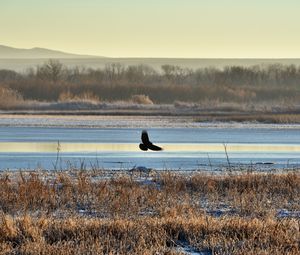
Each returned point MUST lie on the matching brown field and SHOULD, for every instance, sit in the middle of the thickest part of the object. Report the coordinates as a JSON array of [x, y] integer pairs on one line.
[[105, 212]]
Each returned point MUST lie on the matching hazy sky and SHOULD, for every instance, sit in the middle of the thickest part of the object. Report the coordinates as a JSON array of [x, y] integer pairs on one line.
[[155, 28]]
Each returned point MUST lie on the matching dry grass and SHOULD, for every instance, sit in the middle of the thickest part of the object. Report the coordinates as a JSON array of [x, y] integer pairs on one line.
[[279, 118], [88, 104], [10, 98], [87, 96], [96, 212], [141, 99], [229, 235]]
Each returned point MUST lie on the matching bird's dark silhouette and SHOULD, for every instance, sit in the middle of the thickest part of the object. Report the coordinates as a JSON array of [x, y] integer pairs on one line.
[[146, 144]]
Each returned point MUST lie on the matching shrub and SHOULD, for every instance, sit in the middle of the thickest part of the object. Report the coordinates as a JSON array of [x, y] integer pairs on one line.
[[65, 96], [141, 99]]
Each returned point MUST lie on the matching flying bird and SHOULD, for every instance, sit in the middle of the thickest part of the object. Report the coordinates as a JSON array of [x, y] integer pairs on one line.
[[146, 144]]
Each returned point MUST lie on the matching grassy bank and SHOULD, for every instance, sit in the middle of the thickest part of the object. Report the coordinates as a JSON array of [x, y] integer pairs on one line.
[[105, 212], [274, 118], [198, 112]]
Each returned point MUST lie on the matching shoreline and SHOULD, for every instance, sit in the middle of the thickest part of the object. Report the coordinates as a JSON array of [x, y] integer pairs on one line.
[[55, 119]]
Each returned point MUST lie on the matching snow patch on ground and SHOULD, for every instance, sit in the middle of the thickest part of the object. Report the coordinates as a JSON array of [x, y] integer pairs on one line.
[[188, 250]]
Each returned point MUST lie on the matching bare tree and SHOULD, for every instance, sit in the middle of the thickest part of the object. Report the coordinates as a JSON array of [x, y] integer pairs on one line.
[[52, 71], [8, 75]]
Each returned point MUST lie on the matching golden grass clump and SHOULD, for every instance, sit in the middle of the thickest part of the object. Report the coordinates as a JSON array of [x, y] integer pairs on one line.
[[141, 99], [10, 98]]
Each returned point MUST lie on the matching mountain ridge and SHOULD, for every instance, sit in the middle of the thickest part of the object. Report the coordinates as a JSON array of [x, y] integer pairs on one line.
[[7, 52]]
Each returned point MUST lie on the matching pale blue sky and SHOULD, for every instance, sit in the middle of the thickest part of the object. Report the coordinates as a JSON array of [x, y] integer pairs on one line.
[[165, 28]]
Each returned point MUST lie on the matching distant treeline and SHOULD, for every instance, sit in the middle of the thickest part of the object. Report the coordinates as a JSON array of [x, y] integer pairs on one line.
[[173, 83]]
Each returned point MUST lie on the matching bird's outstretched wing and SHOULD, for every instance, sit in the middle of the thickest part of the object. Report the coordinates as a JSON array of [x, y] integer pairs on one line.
[[154, 147], [145, 137]]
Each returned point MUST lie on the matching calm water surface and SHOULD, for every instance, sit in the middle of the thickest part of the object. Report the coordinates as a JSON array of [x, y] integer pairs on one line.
[[185, 148]]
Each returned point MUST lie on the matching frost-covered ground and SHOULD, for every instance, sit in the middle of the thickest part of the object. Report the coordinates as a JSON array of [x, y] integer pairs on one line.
[[127, 122], [195, 213], [144, 177], [96, 121]]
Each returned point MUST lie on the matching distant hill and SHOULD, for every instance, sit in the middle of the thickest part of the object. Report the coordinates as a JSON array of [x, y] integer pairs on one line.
[[22, 59], [36, 53]]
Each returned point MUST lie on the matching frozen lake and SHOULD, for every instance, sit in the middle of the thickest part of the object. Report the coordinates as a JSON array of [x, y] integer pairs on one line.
[[117, 148]]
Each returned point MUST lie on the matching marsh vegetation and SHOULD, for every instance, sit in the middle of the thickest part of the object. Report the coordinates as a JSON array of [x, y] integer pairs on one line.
[[53, 81], [117, 212]]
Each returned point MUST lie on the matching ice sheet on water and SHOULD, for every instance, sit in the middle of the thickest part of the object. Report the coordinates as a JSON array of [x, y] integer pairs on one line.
[[284, 213]]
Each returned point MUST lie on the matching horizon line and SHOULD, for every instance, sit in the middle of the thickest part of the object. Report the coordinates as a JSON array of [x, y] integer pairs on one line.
[[91, 55]]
